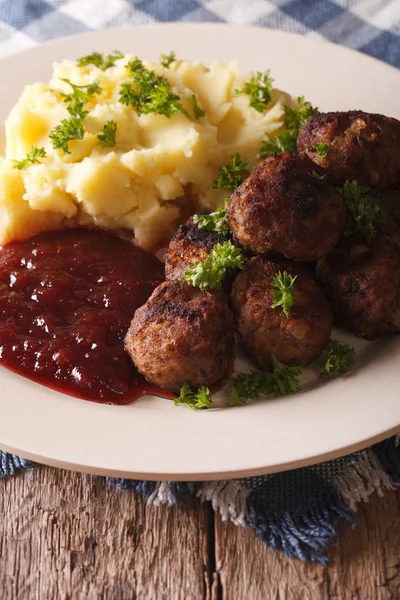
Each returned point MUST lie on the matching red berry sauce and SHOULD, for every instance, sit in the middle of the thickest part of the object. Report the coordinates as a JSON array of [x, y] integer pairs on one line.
[[66, 302]]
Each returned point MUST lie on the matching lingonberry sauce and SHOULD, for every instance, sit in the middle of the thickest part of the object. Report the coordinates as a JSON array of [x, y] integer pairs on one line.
[[66, 301]]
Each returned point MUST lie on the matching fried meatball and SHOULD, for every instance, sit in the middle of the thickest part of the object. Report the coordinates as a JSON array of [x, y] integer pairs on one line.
[[390, 200], [189, 245], [284, 207], [363, 285], [182, 335], [363, 146], [297, 339]]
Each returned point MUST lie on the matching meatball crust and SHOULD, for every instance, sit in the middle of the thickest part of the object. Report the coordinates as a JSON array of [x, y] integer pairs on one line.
[[189, 245], [363, 285], [363, 146], [297, 339], [182, 335], [390, 200], [283, 207]]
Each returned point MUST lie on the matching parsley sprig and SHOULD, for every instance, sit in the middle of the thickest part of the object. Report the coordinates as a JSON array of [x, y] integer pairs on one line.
[[215, 221], [209, 274], [282, 291], [99, 60], [198, 400], [150, 93], [250, 386], [80, 95], [197, 111], [68, 130], [258, 87], [336, 360], [232, 175], [366, 213], [167, 59], [31, 158], [107, 137], [322, 150], [287, 140]]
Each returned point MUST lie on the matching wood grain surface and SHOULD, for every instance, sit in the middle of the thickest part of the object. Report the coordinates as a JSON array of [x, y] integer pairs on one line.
[[69, 536]]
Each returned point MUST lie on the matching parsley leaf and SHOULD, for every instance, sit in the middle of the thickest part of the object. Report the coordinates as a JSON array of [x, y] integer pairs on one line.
[[31, 158], [316, 175], [249, 386], [287, 140], [258, 87], [68, 130], [167, 59], [232, 175], [282, 291], [197, 111], [99, 60], [152, 93], [210, 272], [322, 150], [336, 360], [80, 95], [107, 138], [215, 221], [198, 400], [366, 212]]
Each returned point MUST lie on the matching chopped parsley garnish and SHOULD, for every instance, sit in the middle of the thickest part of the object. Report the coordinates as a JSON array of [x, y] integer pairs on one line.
[[99, 60], [31, 158], [232, 175], [215, 221], [151, 93], [258, 87], [167, 59], [250, 386], [80, 95], [336, 360], [68, 130], [366, 212], [197, 111], [287, 140], [316, 175], [282, 291], [107, 138], [322, 150], [198, 400], [210, 272]]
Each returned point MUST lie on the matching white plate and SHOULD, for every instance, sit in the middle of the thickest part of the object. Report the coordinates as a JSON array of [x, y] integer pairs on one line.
[[151, 438]]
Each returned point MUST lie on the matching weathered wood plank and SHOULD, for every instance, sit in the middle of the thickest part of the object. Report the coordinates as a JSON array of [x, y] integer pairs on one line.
[[364, 564], [69, 536]]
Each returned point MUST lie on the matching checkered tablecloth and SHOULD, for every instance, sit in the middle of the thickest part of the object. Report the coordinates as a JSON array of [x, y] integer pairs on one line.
[[371, 26]]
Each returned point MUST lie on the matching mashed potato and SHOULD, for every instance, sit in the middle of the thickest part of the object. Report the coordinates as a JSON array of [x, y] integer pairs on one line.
[[159, 171]]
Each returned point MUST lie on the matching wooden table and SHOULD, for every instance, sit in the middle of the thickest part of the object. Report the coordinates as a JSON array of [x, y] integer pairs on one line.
[[70, 536]]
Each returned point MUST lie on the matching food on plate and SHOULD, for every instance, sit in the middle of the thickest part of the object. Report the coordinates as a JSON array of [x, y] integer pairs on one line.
[[117, 143], [285, 206], [390, 200], [354, 145], [189, 245], [66, 301], [362, 283], [182, 335], [280, 311]]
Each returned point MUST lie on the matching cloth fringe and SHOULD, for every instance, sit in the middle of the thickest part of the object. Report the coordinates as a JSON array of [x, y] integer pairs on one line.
[[229, 498], [10, 464]]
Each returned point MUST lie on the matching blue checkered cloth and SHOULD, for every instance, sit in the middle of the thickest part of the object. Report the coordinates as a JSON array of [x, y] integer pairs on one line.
[[371, 26], [296, 510]]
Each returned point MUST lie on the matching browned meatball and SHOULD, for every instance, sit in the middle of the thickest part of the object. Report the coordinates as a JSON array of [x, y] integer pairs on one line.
[[182, 335], [363, 285], [391, 202], [296, 339], [189, 245], [363, 146], [283, 207]]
